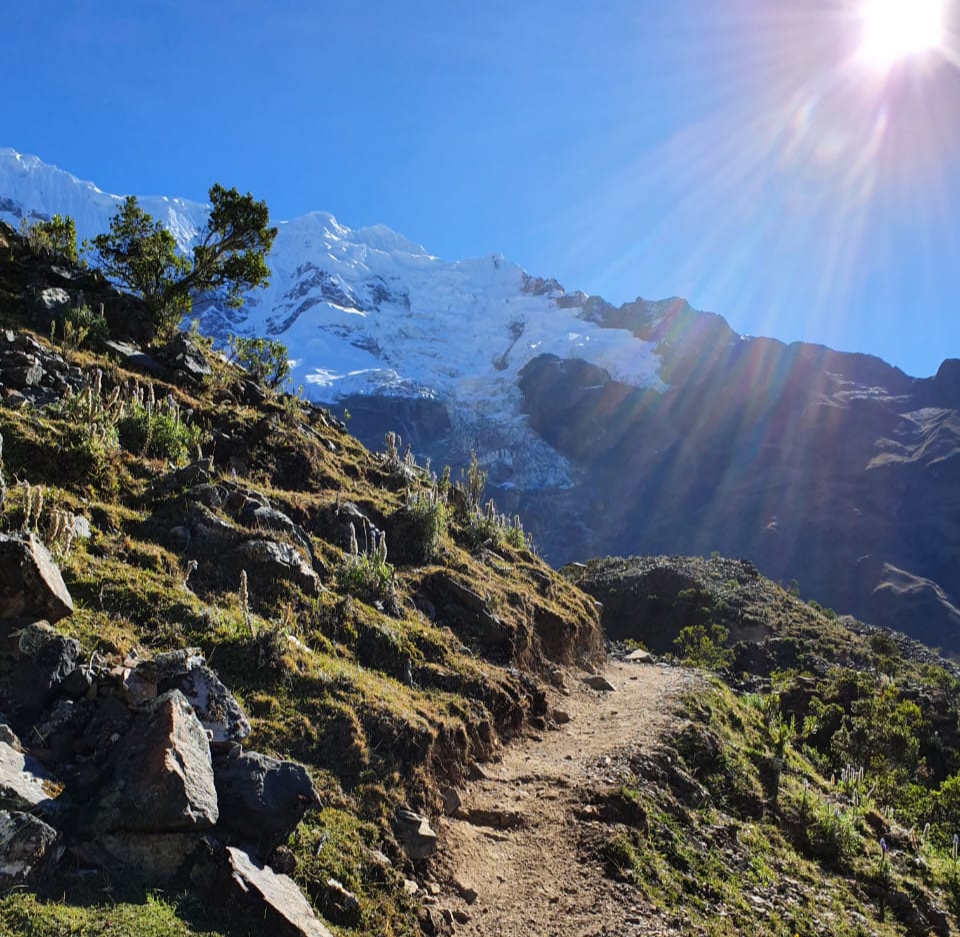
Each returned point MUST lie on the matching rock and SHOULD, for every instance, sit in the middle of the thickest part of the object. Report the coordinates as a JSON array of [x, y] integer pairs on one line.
[[8, 735], [283, 861], [170, 665], [184, 356], [640, 656], [561, 717], [462, 604], [30, 582], [213, 496], [451, 800], [415, 834], [24, 376], [24, 785], [466, 891], [29, 850], [151, 858], [261, 799], [162, 774], [273, 900], [32, 675], [269, 560], [134, 358], [599, 682], [54, 301], [218, 711], [136, 689], [346, 900]]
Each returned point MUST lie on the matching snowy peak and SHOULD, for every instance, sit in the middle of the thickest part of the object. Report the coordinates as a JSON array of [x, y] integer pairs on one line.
[[367, 311]]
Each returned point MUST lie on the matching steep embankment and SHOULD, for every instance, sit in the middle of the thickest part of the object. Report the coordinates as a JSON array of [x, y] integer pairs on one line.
[[294, 641]]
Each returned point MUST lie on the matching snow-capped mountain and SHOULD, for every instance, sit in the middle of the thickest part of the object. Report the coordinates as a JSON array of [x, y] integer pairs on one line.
[[367, 312], [649, 427]]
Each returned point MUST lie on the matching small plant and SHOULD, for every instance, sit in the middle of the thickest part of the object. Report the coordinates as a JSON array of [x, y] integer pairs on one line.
[[156, 428], [367, 575], [61, 530], [244, 597], [426, 511], [81, 324]]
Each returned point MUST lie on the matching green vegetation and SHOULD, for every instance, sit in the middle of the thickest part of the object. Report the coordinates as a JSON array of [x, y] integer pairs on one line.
[[58, 236], [139, 253], [265, 359]]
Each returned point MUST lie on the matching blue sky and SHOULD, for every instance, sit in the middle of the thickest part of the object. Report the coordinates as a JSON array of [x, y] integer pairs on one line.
[[729, 151]]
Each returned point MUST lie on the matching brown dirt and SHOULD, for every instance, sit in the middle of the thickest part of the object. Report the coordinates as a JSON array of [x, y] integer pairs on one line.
[[521, 837]]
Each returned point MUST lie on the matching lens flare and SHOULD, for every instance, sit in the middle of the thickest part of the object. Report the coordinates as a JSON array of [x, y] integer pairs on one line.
[[894, 30]]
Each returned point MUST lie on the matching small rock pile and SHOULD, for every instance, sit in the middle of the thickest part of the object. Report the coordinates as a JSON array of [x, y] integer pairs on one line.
[[134, 766], [29, 373]]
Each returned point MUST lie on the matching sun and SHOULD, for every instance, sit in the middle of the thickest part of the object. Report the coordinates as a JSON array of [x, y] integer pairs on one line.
[[895, 30]]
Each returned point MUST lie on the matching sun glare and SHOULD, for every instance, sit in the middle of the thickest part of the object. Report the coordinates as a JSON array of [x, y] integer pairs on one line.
[[894, 30]]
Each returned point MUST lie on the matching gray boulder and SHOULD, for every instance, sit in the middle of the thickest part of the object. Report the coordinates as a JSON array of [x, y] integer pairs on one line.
[[30, 582], [24, 785], [29, 850], [272, 899], [261, 799], [415, 834], [269, 560], [162, 774]]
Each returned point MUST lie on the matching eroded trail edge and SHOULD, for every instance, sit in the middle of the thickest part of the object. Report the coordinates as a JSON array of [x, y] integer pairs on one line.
[[515, 858]]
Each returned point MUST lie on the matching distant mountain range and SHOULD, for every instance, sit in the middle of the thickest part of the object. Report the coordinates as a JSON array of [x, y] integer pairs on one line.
[[645, 428]]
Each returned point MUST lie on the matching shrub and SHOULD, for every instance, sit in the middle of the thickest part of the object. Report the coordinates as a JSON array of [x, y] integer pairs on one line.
[[156, 429], [58, 236], [265, 359], [704, 646], [80, 324]]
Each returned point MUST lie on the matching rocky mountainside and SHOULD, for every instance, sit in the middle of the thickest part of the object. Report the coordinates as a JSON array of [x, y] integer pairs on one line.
[[255, 678], [645, 428]]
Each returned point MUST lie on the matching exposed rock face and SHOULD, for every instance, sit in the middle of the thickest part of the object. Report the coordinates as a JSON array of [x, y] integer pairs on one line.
[[261, 799], [268, 559], [271, 898], [832, 469], [162, 773], [30, 582], [29, 849]]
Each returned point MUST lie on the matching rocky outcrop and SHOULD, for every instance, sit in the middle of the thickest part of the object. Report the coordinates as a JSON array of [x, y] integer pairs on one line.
[[123, 771], [30, 583], [261, 799], [162, 775]]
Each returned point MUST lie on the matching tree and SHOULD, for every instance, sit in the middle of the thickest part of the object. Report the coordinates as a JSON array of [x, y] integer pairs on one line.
[[228, 259], [58, 235]]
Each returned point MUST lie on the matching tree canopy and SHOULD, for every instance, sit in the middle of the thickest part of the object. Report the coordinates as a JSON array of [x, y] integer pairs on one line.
[[140, 254]]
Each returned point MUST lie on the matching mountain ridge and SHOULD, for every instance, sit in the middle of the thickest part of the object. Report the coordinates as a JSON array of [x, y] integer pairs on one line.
[[649, 427]]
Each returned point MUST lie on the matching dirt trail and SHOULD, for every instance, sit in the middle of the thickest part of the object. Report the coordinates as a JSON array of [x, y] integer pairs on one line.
[[517, 848]]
